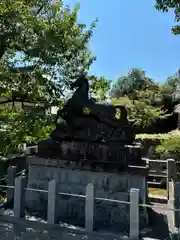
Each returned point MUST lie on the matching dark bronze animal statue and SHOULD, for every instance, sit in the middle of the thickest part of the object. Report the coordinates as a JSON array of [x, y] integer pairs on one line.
[[82, 112], [92, 125]]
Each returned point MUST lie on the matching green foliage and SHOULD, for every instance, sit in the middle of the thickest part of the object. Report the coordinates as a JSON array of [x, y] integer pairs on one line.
[[146, 109], [173, 85], [99, 87], [160, 136], [143, 115], [146, 100], [172, 81], [165, 6], [169, 148], [42, 49], [124, 101], [47, 36], [22, 127], [152, 136], [127, 85]]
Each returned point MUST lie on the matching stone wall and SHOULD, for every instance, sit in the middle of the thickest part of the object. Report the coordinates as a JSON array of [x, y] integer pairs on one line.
[[71, 209]]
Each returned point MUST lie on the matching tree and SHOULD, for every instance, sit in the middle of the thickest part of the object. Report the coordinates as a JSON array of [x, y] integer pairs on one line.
[[172, 81], [165, 6], [99, 88], [147, 108], [127, 85], [47, 37], [172, 87], [42, 49], [22, 127]]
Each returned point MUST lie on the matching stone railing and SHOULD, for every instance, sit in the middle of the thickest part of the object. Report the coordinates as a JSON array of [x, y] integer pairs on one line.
[[161, 172], [16, 193]]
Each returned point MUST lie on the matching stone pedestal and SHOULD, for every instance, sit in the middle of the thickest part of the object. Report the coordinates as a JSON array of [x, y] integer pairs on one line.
[[73, 178]]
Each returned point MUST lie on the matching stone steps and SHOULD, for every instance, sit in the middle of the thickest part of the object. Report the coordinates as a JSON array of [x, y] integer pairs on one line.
[[157, 199]]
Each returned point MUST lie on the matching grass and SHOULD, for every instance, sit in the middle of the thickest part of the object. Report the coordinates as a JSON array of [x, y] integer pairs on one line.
[[120, 101], [158, 192], [160, 136]]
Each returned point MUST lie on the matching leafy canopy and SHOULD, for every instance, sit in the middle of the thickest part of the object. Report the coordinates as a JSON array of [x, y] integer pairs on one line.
[[165, 6], [127, 85], [22, 127], [172, 85], [99, 87], [42, 49], [46, 37], [147, 108], [143, 99]]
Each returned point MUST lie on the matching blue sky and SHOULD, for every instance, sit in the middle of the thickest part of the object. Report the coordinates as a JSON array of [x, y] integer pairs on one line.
[[131, 34]]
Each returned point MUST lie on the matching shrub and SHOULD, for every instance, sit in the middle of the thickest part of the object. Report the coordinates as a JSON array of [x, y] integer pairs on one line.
[[159, 136], [145, 109], [160, 146], [169, 148], [23, 128], [145, 136]]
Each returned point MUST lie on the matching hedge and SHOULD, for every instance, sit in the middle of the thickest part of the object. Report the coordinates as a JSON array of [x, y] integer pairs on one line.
[[165, 145]]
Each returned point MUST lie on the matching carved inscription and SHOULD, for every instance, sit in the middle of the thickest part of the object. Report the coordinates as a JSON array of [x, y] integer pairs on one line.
[[93, 151]]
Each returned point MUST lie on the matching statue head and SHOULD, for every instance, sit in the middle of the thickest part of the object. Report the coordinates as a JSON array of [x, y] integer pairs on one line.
[[79, 82]]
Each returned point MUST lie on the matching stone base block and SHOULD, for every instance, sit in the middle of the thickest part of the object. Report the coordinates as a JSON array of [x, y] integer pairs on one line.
[[109, 185]]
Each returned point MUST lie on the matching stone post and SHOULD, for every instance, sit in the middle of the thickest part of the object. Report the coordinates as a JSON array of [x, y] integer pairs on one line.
[[52, 194], [178, 120], [22, 147], [89, 208], [171, 203], [134, 214], [19, 196], [171, 173], [171, 169], [11, 174], [177, 204]]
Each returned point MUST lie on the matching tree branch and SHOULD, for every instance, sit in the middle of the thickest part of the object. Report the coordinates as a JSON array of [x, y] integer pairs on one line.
[[22, 101], [16, 100], [2, 48], [39, 10], [7, 101]]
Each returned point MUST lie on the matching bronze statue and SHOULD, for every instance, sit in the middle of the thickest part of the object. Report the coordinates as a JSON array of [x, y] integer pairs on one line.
[[81, 108], [102, 129]]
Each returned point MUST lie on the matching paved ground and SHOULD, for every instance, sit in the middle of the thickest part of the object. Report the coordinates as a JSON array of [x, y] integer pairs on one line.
[[19, 232], [28, 231]]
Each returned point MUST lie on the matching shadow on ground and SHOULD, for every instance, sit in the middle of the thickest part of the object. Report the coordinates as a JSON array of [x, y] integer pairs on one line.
[[158, 226]]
